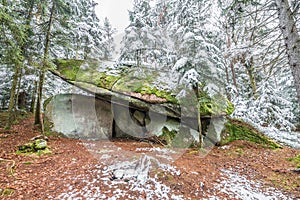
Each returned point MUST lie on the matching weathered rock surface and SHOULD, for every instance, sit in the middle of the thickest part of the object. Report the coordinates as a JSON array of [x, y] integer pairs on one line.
[[79, 116], [86, 117], [140, 88], [139, 102]]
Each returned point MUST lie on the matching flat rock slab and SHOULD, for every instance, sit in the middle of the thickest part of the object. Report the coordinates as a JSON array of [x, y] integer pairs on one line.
[[140, 87]]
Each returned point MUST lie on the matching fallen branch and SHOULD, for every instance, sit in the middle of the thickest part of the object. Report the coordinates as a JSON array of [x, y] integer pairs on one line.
[[157, 140]]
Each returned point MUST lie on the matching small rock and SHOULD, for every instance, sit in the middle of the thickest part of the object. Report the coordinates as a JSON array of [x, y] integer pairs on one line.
[[40, 137], [118, 174], [40, 144], [296, 170]]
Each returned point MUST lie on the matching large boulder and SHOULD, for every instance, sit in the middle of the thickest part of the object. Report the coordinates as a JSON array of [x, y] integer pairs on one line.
[[141, 87], [87, 117], [137, 101]]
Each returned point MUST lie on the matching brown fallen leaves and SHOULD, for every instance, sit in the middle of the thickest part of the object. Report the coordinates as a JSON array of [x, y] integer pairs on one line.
[[41, 177]]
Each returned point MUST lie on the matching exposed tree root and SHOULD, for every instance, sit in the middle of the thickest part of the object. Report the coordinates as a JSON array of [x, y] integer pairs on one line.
[[10, 168]]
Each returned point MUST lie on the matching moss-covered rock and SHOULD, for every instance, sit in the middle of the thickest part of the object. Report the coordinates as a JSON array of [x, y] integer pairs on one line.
[[178, 138], [75, 70], [99, 79], [38, 147], [144, 82], [68, 68], [144, 89], [239, 130], [215, 105], [141, 83]]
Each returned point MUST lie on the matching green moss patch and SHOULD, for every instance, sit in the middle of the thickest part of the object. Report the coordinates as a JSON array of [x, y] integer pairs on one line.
[[295, 161], [37, 147], [216, 105], [98, 79], [145, 89], [239, 130], [68, 68], [167, 136], [144, 83], [6, 192]]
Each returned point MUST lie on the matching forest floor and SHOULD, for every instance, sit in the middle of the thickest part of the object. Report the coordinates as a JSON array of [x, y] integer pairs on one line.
[[122, 169]]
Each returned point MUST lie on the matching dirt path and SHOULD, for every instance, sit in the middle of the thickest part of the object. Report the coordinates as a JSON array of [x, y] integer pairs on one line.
[[131, 170]]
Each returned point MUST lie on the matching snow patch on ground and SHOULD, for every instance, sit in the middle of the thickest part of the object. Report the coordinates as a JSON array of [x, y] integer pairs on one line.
[[156, 149], [137, 176], [239, 187], [124, 179]]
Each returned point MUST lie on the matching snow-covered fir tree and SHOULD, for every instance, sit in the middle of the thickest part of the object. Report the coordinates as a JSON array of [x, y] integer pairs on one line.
[[108, 45]]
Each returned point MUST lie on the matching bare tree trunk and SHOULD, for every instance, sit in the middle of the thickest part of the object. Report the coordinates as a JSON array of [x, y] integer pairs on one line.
[[33, 97], [232, 63], [250, 71], [18, 91], [196, 90], [234, 76], [38, 120], [17, 74], [291, 38], [200, 127], [12, 96]]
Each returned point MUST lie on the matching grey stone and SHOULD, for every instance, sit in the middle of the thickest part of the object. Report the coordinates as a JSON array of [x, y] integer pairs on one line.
[[40, 144], [79, 116], [139, 117], [118, 174], [86, 117], [125, 123]]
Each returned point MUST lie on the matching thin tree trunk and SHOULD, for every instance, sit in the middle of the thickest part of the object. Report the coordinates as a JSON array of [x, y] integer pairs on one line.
[[12, 97], [200, 127], [18, 91], [38, 120], [33, 97], [291, 38], [17, 73], [251, 74], [250, 71], [196, 90], [234, 76]]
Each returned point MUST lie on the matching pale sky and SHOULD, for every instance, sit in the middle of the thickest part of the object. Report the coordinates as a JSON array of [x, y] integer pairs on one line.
[[116, 11]]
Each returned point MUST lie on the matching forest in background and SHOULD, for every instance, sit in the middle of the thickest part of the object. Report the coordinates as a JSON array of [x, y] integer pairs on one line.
[[246, 49]]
